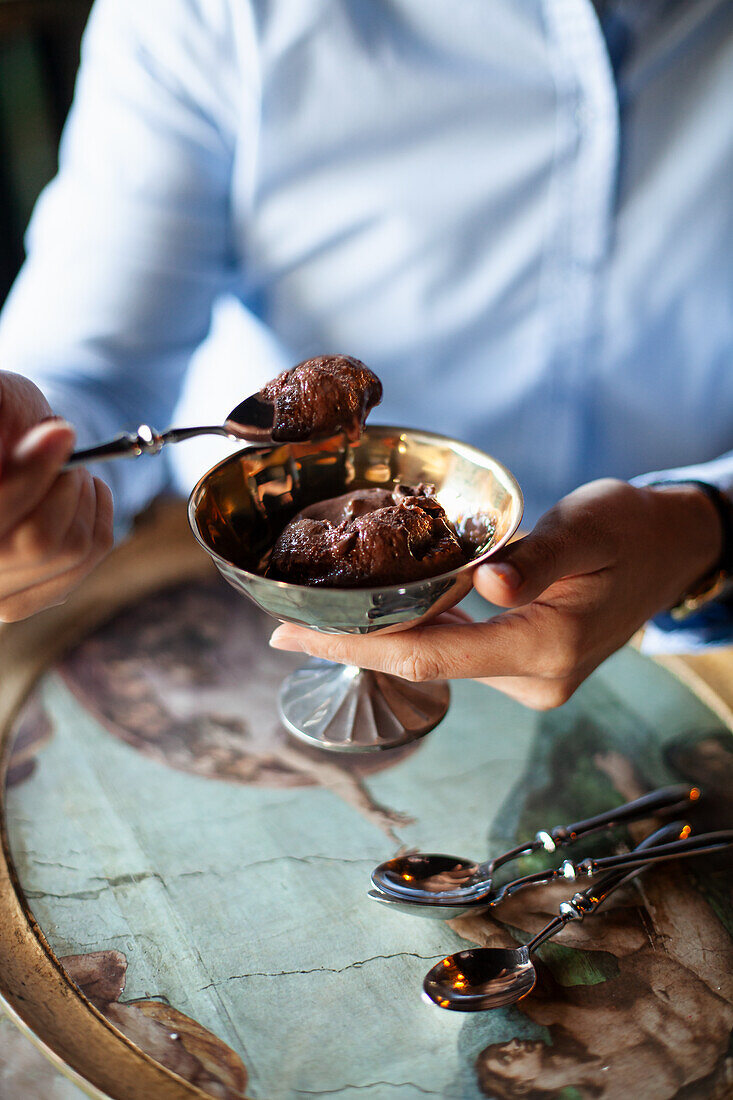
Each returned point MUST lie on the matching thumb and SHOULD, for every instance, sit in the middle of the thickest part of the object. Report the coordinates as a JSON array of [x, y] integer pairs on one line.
[[21, 406], [563, 544]]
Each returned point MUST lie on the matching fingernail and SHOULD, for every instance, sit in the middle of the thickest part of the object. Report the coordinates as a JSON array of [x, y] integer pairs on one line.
[[506, 572], [32, 443], [282, 638]]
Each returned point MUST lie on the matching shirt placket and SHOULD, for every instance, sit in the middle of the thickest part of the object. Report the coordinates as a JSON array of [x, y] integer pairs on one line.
[[579, 246]]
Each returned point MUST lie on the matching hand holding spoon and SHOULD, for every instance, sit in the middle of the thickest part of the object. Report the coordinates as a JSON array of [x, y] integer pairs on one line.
[[489, 977], [427, 878]]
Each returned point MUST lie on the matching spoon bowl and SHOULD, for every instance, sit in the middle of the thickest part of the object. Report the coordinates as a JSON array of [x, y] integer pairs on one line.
[[437, 911], [480, 978], [252, 420], [428, 875]]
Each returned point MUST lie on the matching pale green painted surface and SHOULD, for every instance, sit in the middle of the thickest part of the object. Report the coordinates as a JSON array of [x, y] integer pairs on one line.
[[230, 901]]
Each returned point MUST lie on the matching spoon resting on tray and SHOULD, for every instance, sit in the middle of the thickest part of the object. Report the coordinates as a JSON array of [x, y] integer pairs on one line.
[[316, 397], [420, 878], [586, 868], [489, 977]]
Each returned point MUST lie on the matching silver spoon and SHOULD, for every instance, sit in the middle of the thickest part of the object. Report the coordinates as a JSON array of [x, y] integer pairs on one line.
[[489, 977], [251, 422], [448, 910], [437, 877]]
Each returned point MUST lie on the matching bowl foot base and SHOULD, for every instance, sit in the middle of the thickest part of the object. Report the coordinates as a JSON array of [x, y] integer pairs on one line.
[[343, 708]]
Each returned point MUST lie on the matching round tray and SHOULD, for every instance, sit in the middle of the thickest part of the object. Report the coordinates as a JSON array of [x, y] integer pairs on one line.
[[183, 905]]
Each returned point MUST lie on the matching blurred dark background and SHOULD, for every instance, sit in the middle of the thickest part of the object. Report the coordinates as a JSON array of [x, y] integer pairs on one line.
[[39, 55]]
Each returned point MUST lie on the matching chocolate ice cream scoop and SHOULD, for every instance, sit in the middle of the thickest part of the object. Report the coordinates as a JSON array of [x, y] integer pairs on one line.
[[322, 396], [368, 537]]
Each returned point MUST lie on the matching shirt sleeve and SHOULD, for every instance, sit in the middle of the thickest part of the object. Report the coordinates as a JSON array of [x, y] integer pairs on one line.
[[713, 624], [130, 245]]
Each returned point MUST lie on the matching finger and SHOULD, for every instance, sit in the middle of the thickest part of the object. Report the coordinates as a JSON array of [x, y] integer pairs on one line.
[[535, 692], [569, 540], [508, 645], [37, 540], [32, 469], [37, 597], [21, 406], [29, 601], [103, 527]]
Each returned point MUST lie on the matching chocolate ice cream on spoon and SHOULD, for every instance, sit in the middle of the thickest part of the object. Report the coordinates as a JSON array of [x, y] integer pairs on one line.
[[318, 397], [321, 396]]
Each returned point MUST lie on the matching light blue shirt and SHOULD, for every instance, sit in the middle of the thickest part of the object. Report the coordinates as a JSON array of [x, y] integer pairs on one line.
[[522, 223]]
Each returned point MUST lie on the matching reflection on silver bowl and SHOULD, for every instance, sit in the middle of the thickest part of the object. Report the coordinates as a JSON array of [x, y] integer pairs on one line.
[[240, 506]]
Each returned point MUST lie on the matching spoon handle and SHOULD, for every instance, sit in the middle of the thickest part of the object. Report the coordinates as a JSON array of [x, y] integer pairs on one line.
[[145, 441], [591, 899], [668, 799], [688, 846], [125, 445], [677, 849]]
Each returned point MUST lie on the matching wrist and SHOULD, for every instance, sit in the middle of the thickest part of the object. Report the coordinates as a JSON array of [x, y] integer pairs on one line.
[[694, 538], [696, 523]]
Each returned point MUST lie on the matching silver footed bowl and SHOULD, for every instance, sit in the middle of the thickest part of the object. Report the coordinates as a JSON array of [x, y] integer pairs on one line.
[[238, 509]]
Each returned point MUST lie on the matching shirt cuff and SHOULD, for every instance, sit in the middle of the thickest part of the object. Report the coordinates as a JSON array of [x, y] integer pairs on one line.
[[710, 627], [719, 473]]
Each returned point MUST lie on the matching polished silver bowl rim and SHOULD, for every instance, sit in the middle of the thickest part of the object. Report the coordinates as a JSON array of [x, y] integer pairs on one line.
[[381, 428]]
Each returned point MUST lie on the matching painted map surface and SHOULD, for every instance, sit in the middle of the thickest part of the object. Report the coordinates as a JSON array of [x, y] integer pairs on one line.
[[204, 877]]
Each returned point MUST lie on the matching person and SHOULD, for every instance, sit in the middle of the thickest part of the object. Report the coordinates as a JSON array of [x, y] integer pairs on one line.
[[517, 214]]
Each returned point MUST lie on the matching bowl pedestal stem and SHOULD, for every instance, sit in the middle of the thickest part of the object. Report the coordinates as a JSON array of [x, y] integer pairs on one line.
[[348, 709]]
